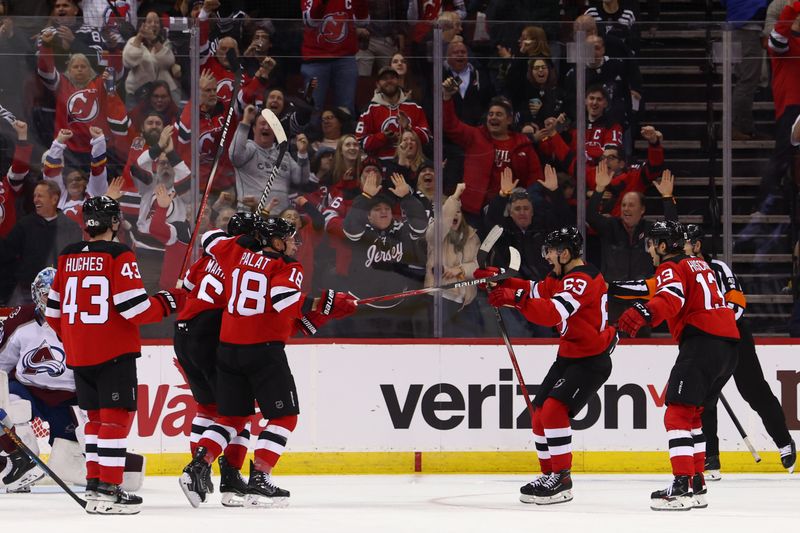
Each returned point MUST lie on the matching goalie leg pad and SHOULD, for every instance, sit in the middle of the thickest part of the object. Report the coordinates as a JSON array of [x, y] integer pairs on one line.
[[66, 460]]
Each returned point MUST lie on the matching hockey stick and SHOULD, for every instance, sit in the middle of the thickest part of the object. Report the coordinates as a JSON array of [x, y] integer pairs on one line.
[[280, 137], [6, 423], [483, 253], [233, 61], [739, 427], [513, 268]]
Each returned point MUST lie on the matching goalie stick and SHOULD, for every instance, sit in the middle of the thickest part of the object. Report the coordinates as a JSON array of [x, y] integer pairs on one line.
[[513, 268], [233, 61], [739, 428], [283, 144], [483, 254], [7, 429]]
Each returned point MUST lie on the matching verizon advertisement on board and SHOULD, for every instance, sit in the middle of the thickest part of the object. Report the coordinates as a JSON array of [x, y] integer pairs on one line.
[[454, 398]]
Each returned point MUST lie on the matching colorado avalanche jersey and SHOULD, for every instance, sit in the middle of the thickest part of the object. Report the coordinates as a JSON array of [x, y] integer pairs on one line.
[[33, 352], [262, 290], [688, 295], [576, 304], [97, 301]]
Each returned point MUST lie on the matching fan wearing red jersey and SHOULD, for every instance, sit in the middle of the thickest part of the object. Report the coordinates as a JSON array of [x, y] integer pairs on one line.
[[96, 304], [196, 340], [262, 284], [572, 298], [688, 297]]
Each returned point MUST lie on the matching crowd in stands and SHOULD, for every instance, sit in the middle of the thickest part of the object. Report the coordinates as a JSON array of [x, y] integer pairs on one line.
[[97, 98]]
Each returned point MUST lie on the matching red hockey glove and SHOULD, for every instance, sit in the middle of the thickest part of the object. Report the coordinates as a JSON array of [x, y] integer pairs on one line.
[[488, 272], [336, 304], [503, 296], [309, 323], [634, 318], [171, 300]]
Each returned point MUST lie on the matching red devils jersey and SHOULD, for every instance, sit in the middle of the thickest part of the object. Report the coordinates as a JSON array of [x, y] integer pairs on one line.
[[381, 117], [576, 304], [11, 186], [262, 288], [598, 134], [330, 29], [78, 108], [687, 294], [97, 301], [225, 79], [211, 125], [205, 283]]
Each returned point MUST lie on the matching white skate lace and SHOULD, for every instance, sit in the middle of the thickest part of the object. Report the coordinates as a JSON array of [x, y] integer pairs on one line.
[[551, 481], [786, 450]]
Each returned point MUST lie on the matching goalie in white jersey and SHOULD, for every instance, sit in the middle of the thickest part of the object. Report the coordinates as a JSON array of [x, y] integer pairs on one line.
[[32, 357]]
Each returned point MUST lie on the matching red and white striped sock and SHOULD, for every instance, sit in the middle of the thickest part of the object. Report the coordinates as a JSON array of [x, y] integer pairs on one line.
[[272, 442]]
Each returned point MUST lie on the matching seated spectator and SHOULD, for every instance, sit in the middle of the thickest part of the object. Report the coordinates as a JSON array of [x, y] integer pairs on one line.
[[459, 253], [329, 49], [148, 57], [37, 238], [388, 115], [538, 96], [601, 131], [254, 159], [383, 255], [76, 188], [156, 97], [489, 150], [10, 191], [408, 158], [622, 238], [335, 122], [83, 99]]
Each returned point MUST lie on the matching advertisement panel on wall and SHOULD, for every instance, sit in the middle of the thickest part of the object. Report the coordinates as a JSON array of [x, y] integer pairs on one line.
[[453, 399]]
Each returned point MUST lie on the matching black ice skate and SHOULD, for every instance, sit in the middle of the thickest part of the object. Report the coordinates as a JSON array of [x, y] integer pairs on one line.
[[91, 495], [677, 497], [262, 493], [196, 478], [789, 457], [712, 468], [699, 489], [526, 491], [557, 488], [23, 472], [231, 485], [111, 499]]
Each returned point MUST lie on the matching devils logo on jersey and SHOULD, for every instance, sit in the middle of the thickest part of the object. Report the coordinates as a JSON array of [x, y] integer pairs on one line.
[[333, 28], [225, 89], [45, 359], [83, 106]]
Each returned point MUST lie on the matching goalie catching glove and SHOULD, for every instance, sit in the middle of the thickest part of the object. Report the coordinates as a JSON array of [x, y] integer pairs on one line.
[[634, 318]]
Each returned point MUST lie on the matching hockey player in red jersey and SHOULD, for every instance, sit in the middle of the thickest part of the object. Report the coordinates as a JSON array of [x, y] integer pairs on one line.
[[688, 297], [196, 340], [96, 304], [573, 298], [264, 307]]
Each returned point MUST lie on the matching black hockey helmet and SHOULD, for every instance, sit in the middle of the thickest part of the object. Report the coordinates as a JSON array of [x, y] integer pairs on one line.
[[241, 223], [694, 233], [99, 214], [566, 238], [272, 227], [670, 232]]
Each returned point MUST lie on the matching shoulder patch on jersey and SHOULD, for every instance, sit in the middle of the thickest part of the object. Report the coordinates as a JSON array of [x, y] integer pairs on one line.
[[138, 143]]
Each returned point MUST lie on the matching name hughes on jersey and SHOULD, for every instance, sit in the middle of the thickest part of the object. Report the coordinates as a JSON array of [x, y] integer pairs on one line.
[[80, 264]]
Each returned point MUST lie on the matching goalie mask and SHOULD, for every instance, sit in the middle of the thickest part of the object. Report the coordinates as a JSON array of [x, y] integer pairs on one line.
[[40, 288], [100, 214]]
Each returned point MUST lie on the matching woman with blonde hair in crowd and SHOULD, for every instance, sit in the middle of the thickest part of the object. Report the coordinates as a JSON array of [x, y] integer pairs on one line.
[[148, 57], [408, 158], [459, 251]]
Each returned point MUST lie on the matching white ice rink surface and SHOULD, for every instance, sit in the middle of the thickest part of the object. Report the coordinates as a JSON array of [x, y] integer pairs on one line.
[[430, 503]]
